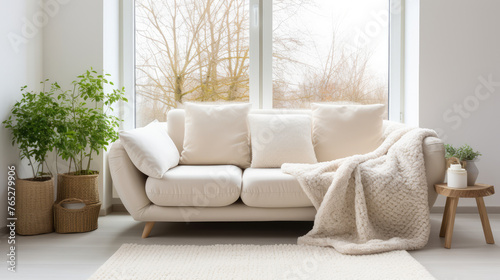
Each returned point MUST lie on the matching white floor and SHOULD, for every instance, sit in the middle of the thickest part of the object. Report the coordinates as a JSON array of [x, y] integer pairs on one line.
[[77, 256]]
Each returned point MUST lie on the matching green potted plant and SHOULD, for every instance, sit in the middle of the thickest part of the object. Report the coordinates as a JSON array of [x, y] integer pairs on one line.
[[89, 127], [33, 124], [466, 156]]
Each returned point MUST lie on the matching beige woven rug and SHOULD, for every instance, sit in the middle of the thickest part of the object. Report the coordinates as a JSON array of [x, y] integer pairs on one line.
[[219, 262]]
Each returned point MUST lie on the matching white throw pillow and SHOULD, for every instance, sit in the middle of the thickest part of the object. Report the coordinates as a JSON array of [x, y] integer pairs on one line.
[[150, 149], [216, 134], [278, 139], [345, 130]]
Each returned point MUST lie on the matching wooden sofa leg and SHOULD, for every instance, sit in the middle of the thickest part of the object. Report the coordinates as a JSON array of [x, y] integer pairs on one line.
[[147, 229]]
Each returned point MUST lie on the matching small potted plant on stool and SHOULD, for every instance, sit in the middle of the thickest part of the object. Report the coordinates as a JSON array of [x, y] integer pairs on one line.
[[466, 156]]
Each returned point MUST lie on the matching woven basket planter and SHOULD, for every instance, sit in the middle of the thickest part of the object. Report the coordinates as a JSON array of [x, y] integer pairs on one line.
[[84, 187], [34, 200], [76, 220]]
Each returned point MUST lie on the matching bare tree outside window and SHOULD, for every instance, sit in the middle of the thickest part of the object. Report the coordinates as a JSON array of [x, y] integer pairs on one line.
[[322, 54], [189, 50], [198, 50]]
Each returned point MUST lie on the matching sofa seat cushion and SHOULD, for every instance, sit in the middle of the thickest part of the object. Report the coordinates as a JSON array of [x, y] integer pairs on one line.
[[269, 187], [196, 185]]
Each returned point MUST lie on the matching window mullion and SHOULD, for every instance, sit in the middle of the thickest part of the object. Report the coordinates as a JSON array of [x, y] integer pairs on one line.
[[267, 54], [127, 76], [396, 60], [255, 65]]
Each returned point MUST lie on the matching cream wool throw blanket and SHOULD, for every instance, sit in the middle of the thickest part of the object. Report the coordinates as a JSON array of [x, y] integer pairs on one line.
[[370, 203]]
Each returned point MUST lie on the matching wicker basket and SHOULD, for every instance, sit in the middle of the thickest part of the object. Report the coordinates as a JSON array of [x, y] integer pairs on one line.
[[84, 187], [76, 220], [34, 200]]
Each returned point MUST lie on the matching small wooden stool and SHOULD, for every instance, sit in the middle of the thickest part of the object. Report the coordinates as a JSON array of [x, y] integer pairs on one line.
[[452, 195]]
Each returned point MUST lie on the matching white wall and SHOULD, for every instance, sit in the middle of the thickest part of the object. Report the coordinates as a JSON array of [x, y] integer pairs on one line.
[[21, 64], [73, 41], [459, 49]]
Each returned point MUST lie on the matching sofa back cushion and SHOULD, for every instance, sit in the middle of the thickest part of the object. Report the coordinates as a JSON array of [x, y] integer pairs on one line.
[[176, 119], [175, 127], [280, 138], [345, 130], [216, 134]]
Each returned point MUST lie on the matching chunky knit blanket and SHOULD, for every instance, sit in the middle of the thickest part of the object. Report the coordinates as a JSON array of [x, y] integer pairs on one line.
[[370, 203]]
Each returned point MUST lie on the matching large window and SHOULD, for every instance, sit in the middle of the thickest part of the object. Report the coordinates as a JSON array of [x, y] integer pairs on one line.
[[274, 54]]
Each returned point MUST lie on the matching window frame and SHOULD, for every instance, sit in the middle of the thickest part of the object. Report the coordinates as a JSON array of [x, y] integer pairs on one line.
[[396, 60], [260, 72], [127, 51]]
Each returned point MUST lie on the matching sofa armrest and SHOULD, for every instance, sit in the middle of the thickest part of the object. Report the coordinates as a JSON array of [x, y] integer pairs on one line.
[[435, 165], [128, 181]]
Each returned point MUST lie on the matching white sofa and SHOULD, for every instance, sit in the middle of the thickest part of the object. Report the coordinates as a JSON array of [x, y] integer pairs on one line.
[[193, 193]]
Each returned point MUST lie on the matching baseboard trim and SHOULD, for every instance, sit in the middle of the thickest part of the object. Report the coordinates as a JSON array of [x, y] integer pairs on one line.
[[468, 209], [119, 208], [105, 211]]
